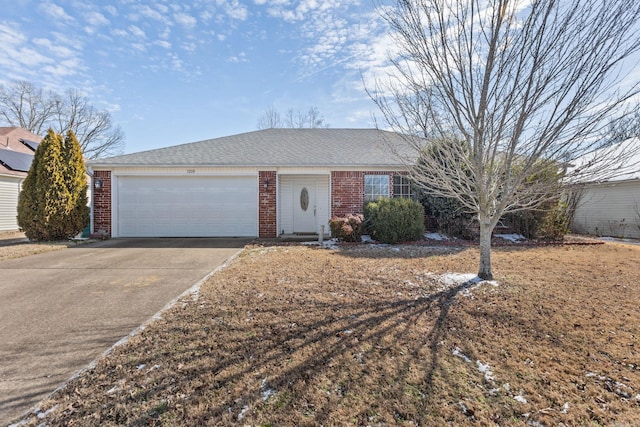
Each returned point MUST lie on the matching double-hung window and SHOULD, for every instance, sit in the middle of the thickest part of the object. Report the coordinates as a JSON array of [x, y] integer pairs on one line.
[[401, 186], [375, 187]]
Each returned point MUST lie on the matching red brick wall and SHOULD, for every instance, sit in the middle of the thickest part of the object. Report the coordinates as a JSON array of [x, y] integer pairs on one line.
[[102, 203], [347, 191], [267, 215]]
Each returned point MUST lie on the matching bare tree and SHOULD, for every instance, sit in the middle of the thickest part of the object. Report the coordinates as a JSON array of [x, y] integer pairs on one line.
[[505, 88], [24, 105], [293, 119], [270, 119], [94, 129]]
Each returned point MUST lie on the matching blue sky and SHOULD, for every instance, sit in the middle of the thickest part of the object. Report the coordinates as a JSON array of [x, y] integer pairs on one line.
[[172, 72]]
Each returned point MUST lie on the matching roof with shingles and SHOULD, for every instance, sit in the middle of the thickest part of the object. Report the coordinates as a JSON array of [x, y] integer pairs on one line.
[[276, 147]]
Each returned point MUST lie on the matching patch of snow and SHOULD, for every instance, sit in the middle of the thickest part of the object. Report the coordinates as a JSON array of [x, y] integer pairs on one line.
[[435, 236], [452, 279], [265, 391], [326, 244], [457, 352], [565, 408], [534, 423], [514, 238], [42, 415], [520, 398], [506, 386], [140, 366], [486, 370], [245, 408], [366, 239]]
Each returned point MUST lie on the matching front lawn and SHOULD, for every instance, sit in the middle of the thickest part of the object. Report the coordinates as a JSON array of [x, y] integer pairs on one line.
[[369, 335]]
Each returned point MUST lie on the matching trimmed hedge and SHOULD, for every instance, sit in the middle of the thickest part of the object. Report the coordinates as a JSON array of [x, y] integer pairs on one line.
[[394, 220]]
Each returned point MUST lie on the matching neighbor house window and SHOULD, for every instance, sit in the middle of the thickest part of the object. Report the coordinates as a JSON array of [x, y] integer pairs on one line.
[[375, 186], [401, 186]]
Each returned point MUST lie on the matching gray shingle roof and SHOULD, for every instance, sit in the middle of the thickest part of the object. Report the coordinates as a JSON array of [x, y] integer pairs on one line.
[[275, 147]]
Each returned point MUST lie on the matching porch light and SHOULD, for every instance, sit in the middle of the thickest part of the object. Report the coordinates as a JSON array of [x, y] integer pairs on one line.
[[266, 183], [97, 184]]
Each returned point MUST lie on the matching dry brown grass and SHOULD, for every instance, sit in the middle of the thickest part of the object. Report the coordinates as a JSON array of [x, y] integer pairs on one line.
[[369, 336]]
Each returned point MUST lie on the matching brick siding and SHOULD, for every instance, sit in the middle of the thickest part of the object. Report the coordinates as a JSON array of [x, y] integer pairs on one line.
[[267, 215], [102, 204], [347, 190]]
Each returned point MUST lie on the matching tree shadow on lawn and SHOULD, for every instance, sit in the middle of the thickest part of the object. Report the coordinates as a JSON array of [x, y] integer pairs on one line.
[[291, 358]]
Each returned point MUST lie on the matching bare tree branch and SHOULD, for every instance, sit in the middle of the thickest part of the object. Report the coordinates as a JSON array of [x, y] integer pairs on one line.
[[24, 105], [517, 85], [293, 119]]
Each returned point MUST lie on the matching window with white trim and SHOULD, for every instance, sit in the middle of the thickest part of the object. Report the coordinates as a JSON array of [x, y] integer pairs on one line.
[[401, 186], [375, 187]]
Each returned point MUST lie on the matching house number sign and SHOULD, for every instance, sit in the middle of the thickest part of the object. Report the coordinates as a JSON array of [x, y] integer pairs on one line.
[[304, 199]]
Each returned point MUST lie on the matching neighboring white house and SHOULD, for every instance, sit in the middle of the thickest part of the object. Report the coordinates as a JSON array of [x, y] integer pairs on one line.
[[16, 153], [611, 207]]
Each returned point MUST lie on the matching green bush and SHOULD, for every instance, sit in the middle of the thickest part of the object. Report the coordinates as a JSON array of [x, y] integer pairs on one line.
[[550, 222], [53, 203], [450, 216], [347, 229], [555, 222], [394, 220]]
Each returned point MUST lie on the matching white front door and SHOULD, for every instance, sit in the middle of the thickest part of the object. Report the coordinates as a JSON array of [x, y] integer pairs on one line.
[[304, 205]]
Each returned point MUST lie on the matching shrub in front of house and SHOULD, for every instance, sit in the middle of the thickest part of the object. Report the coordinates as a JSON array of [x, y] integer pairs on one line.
[[53, 203], [348, 228], [394, 220]]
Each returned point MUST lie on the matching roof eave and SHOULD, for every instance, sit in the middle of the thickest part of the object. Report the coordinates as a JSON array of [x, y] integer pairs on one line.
[[244, 165]]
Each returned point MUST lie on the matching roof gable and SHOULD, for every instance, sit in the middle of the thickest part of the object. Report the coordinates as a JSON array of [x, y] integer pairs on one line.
[[18, 139], [273, 148]]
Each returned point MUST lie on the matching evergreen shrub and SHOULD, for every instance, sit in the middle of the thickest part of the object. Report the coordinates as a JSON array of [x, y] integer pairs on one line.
[[394, 220]]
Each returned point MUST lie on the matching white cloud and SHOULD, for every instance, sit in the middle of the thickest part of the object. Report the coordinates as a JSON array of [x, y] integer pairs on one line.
[[119, 32], [185, 20], [111, 10], [136, 31], [234, 9], [189, 46], [163, 43], [147, 12], [96, 19], [242, 57], [55, 12], [55, 48]]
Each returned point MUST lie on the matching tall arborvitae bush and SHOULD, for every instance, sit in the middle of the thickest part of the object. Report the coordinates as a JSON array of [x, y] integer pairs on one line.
[[76, 180], [46, 207]]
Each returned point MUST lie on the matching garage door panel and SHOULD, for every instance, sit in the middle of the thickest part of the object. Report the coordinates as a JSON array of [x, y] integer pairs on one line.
[[187, 206]]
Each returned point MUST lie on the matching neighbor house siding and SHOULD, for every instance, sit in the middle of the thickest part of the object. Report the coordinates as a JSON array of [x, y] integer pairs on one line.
[[609, 209], [102, 204], [9, 192], [267, 203]]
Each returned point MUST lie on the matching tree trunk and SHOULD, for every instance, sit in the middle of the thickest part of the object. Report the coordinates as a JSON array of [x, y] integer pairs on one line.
[[484, 271]]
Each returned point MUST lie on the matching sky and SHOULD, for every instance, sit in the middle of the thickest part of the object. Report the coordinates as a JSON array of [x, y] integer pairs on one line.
[[172, 72]]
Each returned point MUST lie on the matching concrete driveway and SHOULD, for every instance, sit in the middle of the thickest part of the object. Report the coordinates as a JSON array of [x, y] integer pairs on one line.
[[60, 310]]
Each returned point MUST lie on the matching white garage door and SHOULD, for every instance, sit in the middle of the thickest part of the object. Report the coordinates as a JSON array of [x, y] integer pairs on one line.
[[187, 206]]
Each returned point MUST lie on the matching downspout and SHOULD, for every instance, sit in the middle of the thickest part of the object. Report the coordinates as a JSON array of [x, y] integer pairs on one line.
[[90, 173]]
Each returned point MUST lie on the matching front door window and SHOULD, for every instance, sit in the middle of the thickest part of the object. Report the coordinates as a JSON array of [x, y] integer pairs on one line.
[[304, 199]]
